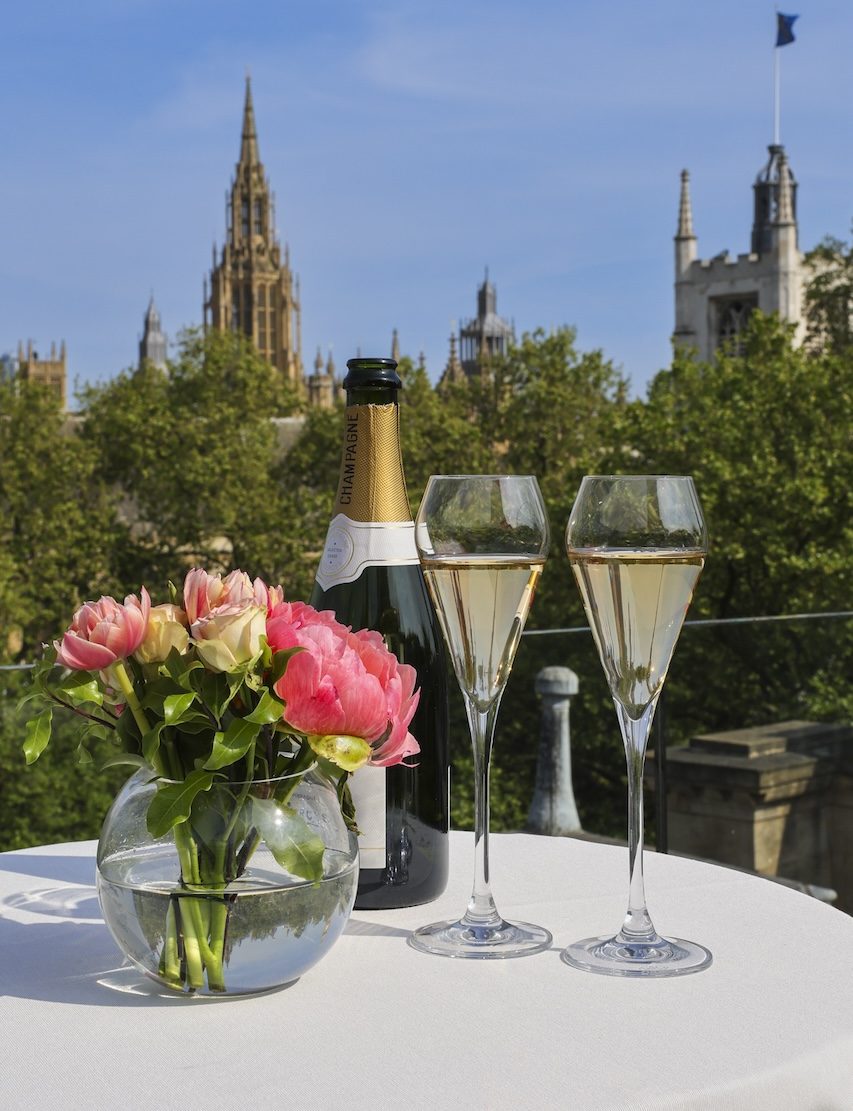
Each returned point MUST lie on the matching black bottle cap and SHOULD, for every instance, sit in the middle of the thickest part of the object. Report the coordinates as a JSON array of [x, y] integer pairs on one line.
[[372, 372]]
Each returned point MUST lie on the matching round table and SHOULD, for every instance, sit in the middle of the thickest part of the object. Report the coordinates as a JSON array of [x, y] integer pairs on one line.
[[379, 1026]]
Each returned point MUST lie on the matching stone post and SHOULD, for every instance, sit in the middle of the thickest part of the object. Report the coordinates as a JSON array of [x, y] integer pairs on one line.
[[553, 810]]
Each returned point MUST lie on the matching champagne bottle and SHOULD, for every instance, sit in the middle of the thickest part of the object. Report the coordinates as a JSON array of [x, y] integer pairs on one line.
[[370, 576]]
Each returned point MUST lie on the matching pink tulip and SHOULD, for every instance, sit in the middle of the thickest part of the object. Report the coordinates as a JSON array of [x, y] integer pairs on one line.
[[267, 596], [204, 592], [104, 632], [344, 683]]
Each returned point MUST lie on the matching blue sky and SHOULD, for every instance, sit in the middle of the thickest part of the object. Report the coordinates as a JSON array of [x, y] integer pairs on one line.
[[409, 146]]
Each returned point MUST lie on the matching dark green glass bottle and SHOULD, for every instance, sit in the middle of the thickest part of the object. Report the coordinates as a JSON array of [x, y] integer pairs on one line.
[[370, 576]]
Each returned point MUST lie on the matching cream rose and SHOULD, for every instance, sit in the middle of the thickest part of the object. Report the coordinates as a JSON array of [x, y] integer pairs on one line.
[[167, 629], [229, 636]]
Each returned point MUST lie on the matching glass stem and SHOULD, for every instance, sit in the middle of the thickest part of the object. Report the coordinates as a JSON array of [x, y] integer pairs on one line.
[[637, 926], [481, 906]]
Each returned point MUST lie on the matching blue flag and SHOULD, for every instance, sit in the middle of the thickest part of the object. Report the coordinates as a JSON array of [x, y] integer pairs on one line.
[[785, 28]]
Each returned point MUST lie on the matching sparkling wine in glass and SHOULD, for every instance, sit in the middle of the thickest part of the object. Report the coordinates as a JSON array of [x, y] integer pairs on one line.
[[482, 540], [637, 545]]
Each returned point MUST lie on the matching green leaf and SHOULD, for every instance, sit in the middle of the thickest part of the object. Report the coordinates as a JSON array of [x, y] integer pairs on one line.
[[280, 661], [38, 735], [180, 667], [233, 744], [127, 730], [347, 805], [177, 706], [84, 756], [151, 743], [120, 758], [217, 690], [267, 711], [82, 687], [172, 803], [290, 839]]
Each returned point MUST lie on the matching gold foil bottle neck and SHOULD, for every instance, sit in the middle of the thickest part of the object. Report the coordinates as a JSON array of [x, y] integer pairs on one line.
[[372, 486]]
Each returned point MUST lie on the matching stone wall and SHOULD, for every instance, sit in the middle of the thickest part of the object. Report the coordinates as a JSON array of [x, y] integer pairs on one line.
[[775, 799]]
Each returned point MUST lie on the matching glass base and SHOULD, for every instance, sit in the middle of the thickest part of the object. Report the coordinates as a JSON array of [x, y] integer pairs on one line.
[[614, 956], [493, 941]]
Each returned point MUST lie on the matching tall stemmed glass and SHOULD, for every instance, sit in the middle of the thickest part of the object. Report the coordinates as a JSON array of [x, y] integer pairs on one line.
[[482, 540], [637, 545]]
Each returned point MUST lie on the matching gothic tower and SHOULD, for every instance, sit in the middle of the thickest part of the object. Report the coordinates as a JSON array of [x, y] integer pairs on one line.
[[51, 373], [487, 334], [321, 384], [715, 297], [152, 346], [252, 290]]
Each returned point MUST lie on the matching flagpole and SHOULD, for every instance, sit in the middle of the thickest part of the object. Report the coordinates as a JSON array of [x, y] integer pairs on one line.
[[776, 87], [776, 95]]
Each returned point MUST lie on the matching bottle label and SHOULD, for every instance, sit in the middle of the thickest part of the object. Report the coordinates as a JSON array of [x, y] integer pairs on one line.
[[367, 786], [353, 545], [372, 487]]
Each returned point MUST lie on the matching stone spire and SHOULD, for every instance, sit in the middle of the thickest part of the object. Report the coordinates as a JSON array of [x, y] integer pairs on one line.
[[453, 371], [330, 365], [153, 345], [785, 203], [685, 211], [395, 346], [249, 155], [686, 251], [318, 362], [251, 289]]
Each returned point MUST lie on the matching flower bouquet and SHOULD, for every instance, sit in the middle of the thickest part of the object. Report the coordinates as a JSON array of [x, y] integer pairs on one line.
[[226, 706]]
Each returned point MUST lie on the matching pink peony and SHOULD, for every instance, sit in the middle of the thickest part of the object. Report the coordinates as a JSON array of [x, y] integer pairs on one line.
[[204, 592], [344, 683], [103, 632]]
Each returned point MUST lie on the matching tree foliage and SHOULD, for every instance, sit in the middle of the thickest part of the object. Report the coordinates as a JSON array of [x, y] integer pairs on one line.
[[57, 524], [183, 467], [190, 454], [766, 435], [829, 296]]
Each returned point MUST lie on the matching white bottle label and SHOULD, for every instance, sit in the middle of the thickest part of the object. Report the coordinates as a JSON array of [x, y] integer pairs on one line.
[[367, 786], [353, 545]]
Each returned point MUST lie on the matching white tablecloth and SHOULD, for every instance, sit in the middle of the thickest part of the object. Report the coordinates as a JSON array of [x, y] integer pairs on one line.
[[379, 1026]]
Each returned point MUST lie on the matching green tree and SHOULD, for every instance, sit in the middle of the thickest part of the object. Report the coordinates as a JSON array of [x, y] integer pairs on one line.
[[305, 480], [57, 525], [438, 432], [549, 410], [766, 435], [829, 296], [191, 454]]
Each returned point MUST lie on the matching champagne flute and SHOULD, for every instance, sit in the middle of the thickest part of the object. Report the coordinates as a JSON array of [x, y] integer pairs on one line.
[[637, 545], [482, 540]]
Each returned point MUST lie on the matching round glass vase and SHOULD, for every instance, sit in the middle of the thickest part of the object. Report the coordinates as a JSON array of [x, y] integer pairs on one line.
[[246, 895]]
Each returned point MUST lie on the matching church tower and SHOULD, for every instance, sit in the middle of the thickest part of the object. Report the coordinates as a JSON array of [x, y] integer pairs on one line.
[[52, 373], [487, 335], [252, 289], [715, 297], [152, 346]]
